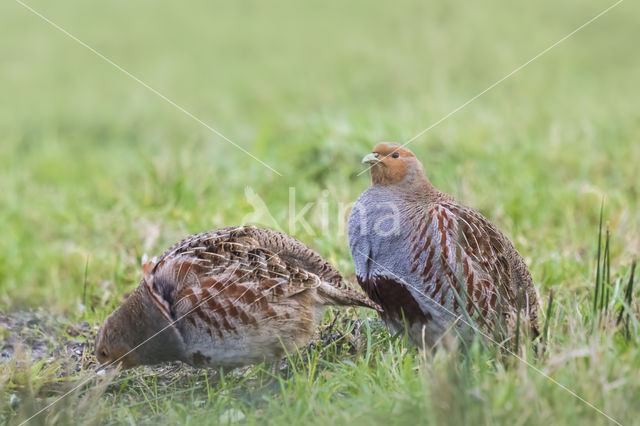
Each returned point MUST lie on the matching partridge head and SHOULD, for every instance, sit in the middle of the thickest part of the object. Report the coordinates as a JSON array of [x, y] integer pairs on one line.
[[426, 258], [228, 297], [139, 332], [392, 164]]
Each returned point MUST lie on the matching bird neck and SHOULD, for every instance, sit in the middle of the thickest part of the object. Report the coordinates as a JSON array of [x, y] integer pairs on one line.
[[158, 338], [415, 187]]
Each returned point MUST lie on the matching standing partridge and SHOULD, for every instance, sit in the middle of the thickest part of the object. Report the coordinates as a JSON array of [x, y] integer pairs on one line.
[[228, 297], [431, 263]]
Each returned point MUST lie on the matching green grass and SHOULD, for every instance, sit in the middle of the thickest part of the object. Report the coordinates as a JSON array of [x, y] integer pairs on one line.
[[96, 170]]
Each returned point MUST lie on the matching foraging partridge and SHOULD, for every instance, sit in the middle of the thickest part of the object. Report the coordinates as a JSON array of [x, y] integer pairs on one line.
[[431, 262], [228, 297]]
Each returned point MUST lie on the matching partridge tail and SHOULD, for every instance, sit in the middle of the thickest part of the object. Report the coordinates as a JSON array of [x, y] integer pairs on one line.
[[342, 295]]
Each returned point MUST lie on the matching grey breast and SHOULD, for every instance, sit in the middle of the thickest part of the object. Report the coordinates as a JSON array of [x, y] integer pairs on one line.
[[377, 229]]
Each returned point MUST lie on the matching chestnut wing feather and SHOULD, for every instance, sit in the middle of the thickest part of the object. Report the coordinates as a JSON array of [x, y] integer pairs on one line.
[[457, 247]]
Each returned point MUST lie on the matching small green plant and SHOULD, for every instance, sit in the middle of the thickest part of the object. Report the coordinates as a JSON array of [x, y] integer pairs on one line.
[[604, 287]]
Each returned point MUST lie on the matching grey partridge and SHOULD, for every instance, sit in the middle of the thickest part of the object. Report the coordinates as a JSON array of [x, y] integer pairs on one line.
[[228, 297], [431, 263]]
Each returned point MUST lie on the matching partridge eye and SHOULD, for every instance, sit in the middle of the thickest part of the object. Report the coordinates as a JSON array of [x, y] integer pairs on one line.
[[395, 155], [103, 353]]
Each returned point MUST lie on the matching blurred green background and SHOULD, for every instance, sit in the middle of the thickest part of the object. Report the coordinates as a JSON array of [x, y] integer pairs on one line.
[[96, 170], [90, 160]]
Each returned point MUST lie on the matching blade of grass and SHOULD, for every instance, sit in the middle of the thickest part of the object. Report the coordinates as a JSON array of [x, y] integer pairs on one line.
[[519, 304], [84, 283], [545, 331], [595, 298], [607, 278], [605, 268]]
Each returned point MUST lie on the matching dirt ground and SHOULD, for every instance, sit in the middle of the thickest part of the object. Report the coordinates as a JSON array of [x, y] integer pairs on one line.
[[42, 336]]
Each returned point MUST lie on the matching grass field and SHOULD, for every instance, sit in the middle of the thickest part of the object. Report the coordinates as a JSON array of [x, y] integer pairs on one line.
[[96, 169]]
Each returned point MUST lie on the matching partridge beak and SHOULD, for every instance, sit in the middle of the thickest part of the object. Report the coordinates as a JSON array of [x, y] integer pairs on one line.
[[371, 158]]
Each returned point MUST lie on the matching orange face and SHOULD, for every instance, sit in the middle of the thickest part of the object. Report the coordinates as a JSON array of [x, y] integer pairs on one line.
[[109, 349], [390, 163]]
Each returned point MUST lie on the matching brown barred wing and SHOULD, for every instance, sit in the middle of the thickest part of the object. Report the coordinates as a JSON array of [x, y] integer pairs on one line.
[[461, 257]]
